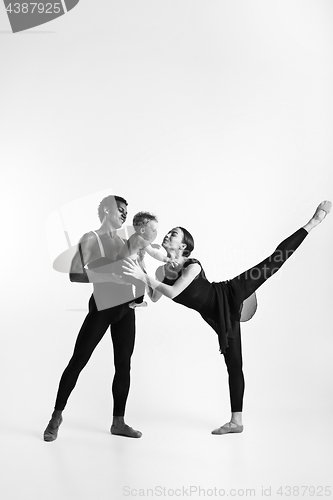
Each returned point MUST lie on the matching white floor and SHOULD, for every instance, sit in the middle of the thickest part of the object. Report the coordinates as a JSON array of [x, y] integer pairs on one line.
[[175, 452], [176, 399]]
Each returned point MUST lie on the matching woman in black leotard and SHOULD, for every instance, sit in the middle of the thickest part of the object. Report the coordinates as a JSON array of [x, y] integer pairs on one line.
[[219, 303]]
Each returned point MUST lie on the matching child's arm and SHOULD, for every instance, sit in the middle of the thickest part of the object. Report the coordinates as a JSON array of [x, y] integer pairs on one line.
[[157, 254], [131, 247]]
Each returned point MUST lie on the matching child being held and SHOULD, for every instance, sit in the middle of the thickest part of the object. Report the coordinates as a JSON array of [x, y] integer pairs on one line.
[[145, 225]]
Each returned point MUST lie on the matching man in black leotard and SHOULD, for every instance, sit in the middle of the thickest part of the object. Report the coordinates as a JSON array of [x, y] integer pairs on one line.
[[108, 306]]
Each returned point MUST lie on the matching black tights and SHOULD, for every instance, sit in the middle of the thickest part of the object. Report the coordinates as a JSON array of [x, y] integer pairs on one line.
[[121, 320], [245, 284]]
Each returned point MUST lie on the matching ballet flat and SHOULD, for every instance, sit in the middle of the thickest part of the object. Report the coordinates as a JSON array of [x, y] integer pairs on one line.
[[132, 433], [134, 305], [228, 429], [51, 432], [325, 206]]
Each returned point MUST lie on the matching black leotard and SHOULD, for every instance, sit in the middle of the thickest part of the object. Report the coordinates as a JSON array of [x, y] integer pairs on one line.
[[219, 303]]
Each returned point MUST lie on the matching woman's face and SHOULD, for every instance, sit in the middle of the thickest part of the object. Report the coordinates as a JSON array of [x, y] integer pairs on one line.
[[173, 240]]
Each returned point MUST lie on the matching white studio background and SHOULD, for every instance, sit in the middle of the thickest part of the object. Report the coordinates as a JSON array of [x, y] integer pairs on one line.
[[216, 116]]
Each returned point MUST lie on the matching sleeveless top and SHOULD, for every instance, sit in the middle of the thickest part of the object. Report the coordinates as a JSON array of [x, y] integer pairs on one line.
[[109, 294], [219, 303], [101, 248]]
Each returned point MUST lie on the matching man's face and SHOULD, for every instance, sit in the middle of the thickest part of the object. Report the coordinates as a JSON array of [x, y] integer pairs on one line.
[[118, 214], [121, 212]]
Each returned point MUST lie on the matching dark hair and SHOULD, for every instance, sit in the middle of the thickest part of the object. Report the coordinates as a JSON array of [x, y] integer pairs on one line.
[[188, 240], [142, 218], [108, 202]]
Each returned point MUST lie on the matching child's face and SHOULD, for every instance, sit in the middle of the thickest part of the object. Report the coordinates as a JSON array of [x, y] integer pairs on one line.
[[150, 231]]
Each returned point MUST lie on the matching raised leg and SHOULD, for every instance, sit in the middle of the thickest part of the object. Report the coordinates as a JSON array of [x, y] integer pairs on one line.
[[245, 285], [249, 281]]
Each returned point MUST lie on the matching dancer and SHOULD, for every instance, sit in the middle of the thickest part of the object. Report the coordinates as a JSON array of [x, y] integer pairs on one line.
[[220, 304], [108, 307], [145, 225]]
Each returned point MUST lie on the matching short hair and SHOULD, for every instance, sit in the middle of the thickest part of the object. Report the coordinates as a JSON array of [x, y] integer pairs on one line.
[[142, 218], [107, 202], [188, 240]]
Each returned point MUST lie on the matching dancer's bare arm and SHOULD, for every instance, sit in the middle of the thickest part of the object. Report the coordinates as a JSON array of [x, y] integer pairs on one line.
[[170, 291], [157, 254]]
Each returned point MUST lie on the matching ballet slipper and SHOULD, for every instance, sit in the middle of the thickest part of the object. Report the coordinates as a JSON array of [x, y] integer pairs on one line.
[[228, 429], [124, 430], [134, 305], [51, 431], [325, 206]]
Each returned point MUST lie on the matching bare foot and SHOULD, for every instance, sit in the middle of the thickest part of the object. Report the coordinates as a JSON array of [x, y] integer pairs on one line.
[[322, 210]]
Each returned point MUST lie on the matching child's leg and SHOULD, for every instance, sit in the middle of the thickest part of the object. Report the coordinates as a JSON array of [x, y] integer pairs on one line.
[[248, 282]]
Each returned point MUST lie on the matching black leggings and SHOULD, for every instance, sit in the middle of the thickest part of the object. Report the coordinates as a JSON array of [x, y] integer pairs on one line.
[[121, 320], [245, 284]]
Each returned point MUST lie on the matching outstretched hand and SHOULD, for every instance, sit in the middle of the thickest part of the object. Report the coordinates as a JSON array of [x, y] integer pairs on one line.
[[133, 269]]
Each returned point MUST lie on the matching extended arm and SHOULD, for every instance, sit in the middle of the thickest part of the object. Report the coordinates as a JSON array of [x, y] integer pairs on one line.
[[170, 291], [156, 254]]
